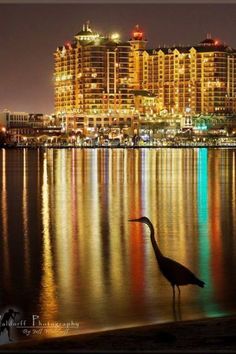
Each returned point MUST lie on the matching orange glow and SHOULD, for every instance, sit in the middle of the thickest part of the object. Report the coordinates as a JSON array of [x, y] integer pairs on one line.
[[137, 33]]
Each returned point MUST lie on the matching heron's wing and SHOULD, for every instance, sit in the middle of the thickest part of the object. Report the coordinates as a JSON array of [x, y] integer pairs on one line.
[[175, 272]]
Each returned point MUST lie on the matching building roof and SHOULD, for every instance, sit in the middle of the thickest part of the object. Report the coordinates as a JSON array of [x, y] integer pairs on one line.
[[181, 49], [86, 30], [150, 51], [208, 41], [201, 47], [84, 33]]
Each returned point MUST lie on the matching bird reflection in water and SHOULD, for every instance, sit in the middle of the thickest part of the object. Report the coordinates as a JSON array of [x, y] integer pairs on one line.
[[174, 272]]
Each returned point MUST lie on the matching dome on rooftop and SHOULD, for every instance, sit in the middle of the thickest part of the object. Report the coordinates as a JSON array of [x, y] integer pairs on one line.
[[209, 41], [86, 34]]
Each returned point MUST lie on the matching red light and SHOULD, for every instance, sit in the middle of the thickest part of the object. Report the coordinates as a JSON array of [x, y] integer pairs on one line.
[[137, 33], [68, 44], [216, 42]]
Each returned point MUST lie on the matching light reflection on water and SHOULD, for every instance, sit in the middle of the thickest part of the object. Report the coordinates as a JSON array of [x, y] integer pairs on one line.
[[69, 253]]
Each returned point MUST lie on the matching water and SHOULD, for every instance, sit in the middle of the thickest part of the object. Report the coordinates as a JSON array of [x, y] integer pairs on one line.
[[68, 252]]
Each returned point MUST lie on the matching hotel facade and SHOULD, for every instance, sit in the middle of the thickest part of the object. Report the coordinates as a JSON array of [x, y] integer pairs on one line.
[[93, 81], [98, 79], [198, 79]]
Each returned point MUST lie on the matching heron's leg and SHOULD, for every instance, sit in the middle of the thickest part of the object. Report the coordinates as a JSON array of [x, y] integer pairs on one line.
[[173, 303], [179, 309], [173, 288], [178, 290]]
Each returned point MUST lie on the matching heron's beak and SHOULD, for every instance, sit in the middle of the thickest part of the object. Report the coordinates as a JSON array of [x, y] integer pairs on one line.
[[133, 220]]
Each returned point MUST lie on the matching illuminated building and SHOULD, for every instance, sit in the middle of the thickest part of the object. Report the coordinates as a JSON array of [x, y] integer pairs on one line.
[[93, 78], [22, 124], [146, 103], [189, 79], [140, 55], [17, 119], [96, 77]]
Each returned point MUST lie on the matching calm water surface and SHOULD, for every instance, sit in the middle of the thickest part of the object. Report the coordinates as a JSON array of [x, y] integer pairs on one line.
[[68, 252]]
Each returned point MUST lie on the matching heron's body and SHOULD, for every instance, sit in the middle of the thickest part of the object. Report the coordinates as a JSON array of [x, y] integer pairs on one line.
[[174, 272]]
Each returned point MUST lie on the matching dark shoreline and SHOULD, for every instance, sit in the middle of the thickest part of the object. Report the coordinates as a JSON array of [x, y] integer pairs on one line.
[[213, 335]]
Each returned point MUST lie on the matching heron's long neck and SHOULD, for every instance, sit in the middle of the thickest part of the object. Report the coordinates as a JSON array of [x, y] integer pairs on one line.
[[154, 243]]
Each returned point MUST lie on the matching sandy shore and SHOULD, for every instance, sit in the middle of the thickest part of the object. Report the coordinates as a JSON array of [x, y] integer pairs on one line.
[[206, 335]]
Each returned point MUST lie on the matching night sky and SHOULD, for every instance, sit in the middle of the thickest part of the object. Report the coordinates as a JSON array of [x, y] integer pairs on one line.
[[29, 34]]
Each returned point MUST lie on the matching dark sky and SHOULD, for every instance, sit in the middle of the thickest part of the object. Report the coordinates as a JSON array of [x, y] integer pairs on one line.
[[29, 34]]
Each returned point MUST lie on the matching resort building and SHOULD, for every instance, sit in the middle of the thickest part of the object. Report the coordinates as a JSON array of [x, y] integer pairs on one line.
[[102, 82], [198, 79], [93, 79]]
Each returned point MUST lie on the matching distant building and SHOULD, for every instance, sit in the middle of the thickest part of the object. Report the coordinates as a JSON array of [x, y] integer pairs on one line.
[[37, 120], [17, 119], [19, 124]]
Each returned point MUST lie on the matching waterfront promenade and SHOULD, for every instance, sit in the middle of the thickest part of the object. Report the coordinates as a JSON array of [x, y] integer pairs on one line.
[[167, 144]]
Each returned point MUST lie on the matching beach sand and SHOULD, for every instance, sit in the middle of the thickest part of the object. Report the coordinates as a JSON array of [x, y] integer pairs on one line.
[[206, 335]]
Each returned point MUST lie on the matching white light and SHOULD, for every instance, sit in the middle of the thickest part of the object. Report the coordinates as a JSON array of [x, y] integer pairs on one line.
[[115, 36]]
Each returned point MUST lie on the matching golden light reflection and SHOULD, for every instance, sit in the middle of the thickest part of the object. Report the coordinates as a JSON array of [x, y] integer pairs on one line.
[[25, 217], [93, 229], [215, 224], [6, 260], [48, 296], [97, 267], [115, 202], [63, 227], [233, 200]]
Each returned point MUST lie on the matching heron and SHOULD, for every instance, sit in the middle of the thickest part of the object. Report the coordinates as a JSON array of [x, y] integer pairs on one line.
[[176, 273]]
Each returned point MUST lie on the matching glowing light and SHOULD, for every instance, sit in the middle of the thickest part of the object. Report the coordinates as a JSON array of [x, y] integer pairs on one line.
[[137, 33], [115, 36], [48, 299]]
